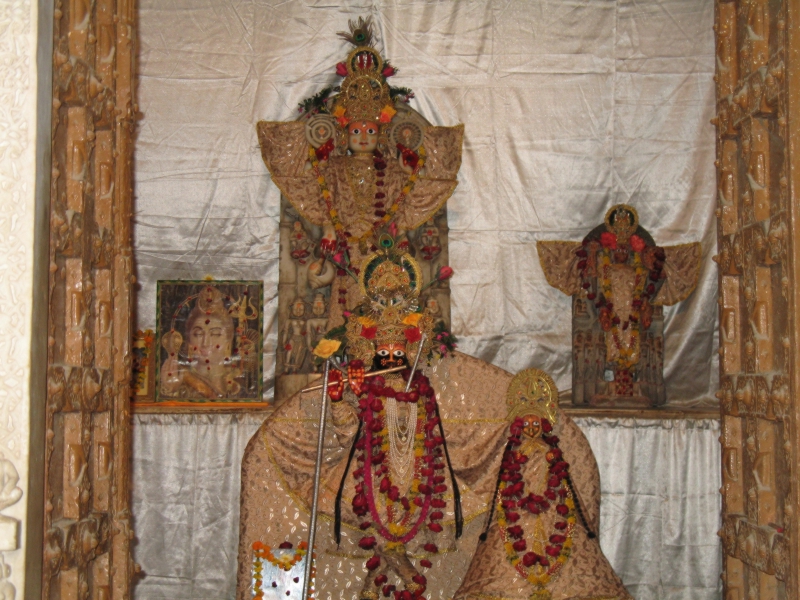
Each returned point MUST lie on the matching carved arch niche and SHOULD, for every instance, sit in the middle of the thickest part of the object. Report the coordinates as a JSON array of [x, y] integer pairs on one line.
[[87, 521]]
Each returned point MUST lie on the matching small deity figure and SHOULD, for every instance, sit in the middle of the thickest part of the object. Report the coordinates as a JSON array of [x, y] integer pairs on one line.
[[300, 245], [540, 538], [430, 244], [359, 162], [204, 366], [619, 279], [317, 325], [294, 337]]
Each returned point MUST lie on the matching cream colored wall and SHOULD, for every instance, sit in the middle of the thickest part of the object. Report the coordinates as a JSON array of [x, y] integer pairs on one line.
[[18, 132]]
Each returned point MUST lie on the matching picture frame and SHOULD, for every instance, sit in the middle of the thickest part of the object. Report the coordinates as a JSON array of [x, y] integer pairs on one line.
[[209, 344]]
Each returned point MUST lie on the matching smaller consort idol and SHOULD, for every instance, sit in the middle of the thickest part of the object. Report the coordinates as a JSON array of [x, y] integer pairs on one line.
[[619, 280]]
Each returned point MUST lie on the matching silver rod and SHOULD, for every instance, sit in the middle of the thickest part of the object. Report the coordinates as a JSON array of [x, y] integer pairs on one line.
[[312, 528], [366, 376], [416, 361]]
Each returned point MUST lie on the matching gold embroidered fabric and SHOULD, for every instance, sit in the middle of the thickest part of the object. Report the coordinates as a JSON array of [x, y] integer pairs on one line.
[[560, 265], [681, 268], [278, 465], [285, 151]]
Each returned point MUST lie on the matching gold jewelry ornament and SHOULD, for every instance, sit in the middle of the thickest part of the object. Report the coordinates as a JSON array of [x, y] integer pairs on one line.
[[623, 221], [532, 392], [391, 282]]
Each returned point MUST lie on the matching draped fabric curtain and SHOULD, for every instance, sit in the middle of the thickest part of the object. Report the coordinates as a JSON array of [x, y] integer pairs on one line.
[[660, 504], [568, 108]]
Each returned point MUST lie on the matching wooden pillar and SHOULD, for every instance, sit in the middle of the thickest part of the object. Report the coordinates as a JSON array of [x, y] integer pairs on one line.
[[88, 526], [758, 168]]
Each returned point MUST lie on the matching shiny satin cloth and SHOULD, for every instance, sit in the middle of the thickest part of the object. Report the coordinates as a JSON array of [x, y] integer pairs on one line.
[[568, 108], [659, 509]]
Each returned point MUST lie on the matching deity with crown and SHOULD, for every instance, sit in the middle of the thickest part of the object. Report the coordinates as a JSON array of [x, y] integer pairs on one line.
[[402, 473], [619, 280], [358, 162]]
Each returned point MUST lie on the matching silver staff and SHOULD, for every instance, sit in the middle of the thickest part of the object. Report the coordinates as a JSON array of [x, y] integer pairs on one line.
[[312, 528], [416, 361]]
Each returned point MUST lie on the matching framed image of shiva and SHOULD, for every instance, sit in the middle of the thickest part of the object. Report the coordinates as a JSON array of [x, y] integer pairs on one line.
[[209, 338]]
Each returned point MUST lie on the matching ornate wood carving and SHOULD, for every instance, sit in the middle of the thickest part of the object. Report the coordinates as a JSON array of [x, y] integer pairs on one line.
[[87, 456], [756, 213]]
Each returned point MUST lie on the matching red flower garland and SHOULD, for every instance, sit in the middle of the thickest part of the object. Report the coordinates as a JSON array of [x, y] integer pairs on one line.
[[373, 476], [512, 497]]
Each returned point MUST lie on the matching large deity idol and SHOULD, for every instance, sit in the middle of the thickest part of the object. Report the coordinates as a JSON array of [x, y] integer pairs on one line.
[[359, 161], [410, 469]]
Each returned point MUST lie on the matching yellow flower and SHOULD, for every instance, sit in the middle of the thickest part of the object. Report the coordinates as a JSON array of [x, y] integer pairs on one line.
[[387, 113], [394, 529], [413, 319], [326, 347], [339, 112], [407, 189], [334, 214], [326, 194], [366, 322]]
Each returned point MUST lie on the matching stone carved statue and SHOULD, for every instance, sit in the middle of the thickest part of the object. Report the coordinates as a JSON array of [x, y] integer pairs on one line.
[[540, 538], [620, 280], [359, 162], [403, 473], [295, 337], [317, 324]]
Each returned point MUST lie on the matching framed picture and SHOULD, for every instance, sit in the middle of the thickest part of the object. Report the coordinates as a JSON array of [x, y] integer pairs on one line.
[[209, 343]]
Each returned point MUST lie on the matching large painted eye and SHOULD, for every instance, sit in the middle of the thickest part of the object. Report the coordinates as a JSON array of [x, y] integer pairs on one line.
[[398, 354], [383, 353], [372, 131], [355, 131]]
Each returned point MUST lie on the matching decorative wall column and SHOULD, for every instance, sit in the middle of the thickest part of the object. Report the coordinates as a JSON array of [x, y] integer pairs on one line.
[[758, 185], [18, 127], [87, 456]]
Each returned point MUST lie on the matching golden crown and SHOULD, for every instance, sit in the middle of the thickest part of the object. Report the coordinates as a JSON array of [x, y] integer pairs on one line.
[[364, 94], [532, 392], [391, 282]]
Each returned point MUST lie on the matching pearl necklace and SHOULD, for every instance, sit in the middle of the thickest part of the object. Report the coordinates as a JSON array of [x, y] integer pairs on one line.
[[401, 442]]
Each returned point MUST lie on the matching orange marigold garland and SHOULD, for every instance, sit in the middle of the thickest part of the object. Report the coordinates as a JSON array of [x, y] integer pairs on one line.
[[285, 562], [383, 213]]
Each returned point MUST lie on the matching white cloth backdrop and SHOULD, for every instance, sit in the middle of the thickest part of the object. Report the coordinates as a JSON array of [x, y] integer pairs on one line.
[[569, 107], [658, 521]]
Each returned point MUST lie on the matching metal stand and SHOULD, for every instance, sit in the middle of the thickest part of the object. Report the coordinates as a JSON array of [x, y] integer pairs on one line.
[[312, 527]]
